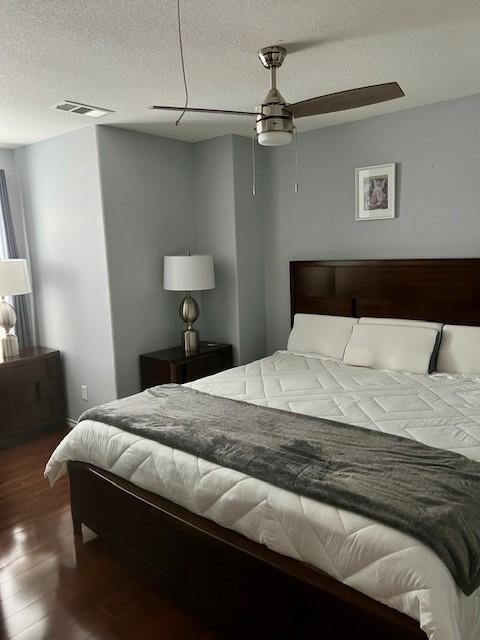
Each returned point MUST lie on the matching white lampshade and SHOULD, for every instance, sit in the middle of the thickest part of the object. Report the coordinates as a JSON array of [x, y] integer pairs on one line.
[[188, 273], [14, 278]]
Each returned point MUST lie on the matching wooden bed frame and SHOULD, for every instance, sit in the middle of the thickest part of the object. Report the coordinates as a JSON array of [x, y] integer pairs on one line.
[[241, 585], [445, 291]]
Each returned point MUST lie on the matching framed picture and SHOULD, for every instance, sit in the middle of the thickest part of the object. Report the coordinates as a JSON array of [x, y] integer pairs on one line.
[[375, 192]]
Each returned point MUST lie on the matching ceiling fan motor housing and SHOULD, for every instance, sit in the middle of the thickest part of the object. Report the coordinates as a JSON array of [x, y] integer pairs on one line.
[[274, 123], [273, 118]]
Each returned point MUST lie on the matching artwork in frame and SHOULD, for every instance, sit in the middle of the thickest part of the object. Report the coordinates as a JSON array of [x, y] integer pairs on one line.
[[375, 192]]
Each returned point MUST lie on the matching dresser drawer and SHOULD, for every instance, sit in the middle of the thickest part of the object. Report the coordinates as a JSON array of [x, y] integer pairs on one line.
[[31, 396]]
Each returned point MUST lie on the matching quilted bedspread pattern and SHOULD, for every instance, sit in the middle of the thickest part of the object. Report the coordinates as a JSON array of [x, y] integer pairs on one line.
[[392, 567]]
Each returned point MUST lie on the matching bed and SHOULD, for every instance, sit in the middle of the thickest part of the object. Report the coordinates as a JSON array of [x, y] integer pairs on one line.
[[266, 562]]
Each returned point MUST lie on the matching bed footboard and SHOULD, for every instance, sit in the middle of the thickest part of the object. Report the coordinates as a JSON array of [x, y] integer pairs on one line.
[[240, 585]]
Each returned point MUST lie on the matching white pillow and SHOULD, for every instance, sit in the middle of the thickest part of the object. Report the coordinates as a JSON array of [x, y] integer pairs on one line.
[[459, 350], [400, 321], [399, 348], [325, 335]]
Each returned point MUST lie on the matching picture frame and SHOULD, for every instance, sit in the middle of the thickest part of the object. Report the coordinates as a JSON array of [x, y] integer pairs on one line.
[[375, 192]]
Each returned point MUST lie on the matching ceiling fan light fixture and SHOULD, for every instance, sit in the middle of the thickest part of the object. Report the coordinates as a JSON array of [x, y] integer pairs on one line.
[[274, 138], [274, 123]]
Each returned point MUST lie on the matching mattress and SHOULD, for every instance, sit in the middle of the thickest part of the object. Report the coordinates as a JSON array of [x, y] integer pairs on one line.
[[391, 567]]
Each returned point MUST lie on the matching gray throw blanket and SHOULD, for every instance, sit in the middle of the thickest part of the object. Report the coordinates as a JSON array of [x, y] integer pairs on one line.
[[430, 494]]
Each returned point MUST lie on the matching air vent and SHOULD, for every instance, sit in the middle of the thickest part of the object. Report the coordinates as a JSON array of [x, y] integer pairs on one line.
[[65, 106], [81, 109]]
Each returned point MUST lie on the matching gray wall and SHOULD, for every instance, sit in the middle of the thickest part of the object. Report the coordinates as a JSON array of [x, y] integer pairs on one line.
[[162, 197], [436, 149], [229, 225], [249, 234], [214, 198], [61, 196], [111, 203], [147, 203]]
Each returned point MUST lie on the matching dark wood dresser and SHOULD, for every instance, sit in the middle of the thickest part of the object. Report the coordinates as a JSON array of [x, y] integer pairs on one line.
[[172, 365], [32, 398]]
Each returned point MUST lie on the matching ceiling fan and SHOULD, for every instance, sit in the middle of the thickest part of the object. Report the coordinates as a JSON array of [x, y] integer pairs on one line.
[[275, 117]]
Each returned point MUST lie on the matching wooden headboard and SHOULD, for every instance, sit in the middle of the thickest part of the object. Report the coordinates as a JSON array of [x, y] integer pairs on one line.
[[446, 291]]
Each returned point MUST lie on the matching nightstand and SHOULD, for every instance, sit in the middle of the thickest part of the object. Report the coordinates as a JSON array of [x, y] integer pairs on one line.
[[172, 365], [32, 399]]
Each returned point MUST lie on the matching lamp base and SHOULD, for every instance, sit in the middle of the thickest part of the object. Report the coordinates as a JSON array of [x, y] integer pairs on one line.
[[8, 317], [189, 312], [8, 347], [190, 342]]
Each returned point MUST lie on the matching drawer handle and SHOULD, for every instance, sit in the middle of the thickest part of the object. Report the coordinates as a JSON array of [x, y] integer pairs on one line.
[[38, 395]]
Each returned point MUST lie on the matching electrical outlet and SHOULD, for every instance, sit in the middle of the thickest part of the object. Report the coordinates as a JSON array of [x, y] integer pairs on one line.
[[84, 392]]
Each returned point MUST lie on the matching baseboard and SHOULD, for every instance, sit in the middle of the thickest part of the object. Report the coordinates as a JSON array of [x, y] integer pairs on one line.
[[71, 423]]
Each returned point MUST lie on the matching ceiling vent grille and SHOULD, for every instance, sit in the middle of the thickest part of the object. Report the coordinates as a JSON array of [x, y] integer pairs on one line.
[[81, 109]]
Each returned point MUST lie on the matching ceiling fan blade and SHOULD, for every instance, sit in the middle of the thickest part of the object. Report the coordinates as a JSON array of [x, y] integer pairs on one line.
[[346, 100], [220, 111]]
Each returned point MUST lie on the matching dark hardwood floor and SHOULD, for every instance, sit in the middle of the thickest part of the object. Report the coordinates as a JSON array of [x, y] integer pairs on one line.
[[54, 586]]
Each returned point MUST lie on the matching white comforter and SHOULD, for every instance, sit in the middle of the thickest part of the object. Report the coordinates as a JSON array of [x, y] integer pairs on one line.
[[389, 566]]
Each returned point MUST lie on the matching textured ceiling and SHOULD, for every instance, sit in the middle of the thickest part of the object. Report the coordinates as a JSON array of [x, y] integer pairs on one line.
[[123, 55]]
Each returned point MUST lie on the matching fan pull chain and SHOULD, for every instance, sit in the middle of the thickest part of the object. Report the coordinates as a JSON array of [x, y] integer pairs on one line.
[[254, 177], [295, 144]]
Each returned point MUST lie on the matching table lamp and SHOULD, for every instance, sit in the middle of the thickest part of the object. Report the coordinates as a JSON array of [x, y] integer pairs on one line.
[[14, 281], [188, 273]]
